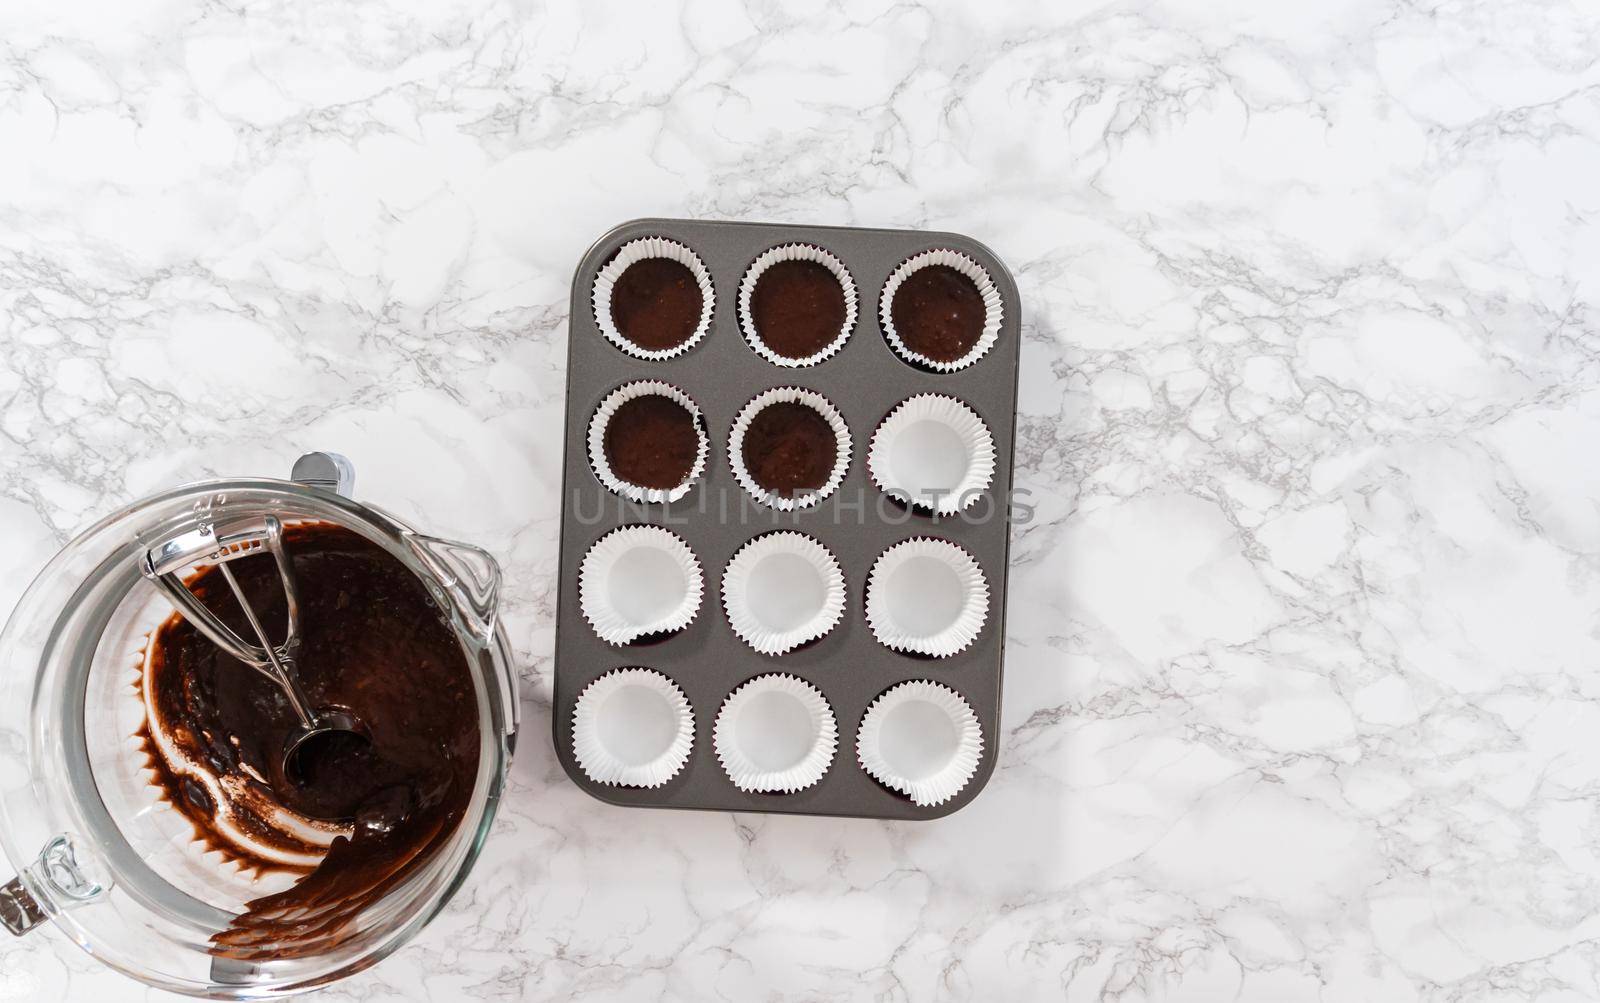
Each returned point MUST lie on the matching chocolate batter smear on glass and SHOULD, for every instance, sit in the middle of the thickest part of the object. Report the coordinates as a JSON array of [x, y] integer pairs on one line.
[[656, 303], [651, 441], [789, 449], [798, 308], [938, 312], [362, 815]]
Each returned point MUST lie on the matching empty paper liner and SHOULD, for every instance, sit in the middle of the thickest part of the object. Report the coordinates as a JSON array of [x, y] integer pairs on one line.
[[782, 590], [638, 581], [922, 739], [632, 727], [927, 597], [933, 452], [775, 734]]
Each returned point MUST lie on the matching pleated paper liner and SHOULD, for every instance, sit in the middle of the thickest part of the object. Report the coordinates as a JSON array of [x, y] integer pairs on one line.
[[640, 250], [632, 727], [933, 452], [796, 252], [922, 739], [637, 581], [817, 403], [782, 590], [775, 734], [926, 597], [600, 463], [992, 308]]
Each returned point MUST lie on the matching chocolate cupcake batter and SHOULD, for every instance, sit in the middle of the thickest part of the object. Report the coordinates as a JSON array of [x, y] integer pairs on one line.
[[656, 303], [373, 642], [938, 312], [651, 441], [789, 449], [797, 307]]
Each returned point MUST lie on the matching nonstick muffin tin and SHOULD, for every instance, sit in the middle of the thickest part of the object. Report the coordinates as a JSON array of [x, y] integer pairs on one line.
[[864, 378]]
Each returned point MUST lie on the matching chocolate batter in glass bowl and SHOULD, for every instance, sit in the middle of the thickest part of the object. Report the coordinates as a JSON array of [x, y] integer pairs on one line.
[[167, 844], [372, 643]]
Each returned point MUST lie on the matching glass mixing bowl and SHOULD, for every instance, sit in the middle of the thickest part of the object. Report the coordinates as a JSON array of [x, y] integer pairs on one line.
[[95, 852]]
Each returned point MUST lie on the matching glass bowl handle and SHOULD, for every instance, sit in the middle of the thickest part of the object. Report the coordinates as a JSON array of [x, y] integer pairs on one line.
[[467, 579], [65, 875]]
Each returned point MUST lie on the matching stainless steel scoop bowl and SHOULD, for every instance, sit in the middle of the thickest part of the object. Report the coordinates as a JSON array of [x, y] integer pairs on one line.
[[216, 545]]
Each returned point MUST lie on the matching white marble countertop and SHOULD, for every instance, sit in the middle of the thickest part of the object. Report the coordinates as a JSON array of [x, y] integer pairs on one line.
[[1301, 692]]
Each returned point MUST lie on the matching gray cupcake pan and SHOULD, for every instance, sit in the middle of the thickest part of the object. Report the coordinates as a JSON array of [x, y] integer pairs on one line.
[[864, 380]]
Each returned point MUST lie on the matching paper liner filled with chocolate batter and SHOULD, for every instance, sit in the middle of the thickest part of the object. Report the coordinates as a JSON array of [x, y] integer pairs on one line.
[[941, 310], [653, 299], [789, 448], [797, 305], [648, 442]]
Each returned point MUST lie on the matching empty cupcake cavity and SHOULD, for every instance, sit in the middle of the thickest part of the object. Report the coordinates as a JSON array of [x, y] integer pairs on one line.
[[782, 590], [647, 442], [632, 727], [637, 581], [775, 733], [940, 310], [934, 452], [653, 299], [922, 739], [797, 305], [789, 448], [927, 597]]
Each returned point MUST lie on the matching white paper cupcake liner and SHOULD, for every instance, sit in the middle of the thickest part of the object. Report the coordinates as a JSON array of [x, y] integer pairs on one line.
[[926, 596], [639, 580], [933, 451], [796, 252], [775, 733], [638, 250], [781, 590], [632, 727], [921, 739], [992, 308], [601, 465], [830, 414]]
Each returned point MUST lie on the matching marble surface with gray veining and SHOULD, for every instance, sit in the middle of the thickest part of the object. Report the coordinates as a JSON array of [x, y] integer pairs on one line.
[[1303, 677]]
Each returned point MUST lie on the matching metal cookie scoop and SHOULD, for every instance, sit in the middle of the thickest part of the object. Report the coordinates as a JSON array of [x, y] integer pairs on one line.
[[217, 545]]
